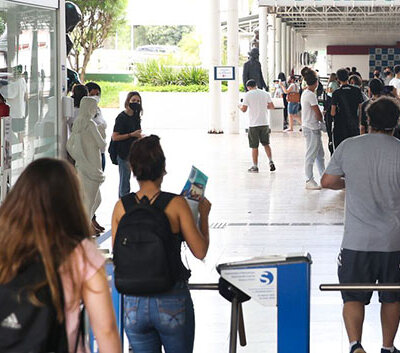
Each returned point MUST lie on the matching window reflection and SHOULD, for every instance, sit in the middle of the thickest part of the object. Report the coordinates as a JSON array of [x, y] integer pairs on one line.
[[28, 71]]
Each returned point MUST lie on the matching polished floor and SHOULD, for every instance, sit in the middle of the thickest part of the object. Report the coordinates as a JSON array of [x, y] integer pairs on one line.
[[253, 215]]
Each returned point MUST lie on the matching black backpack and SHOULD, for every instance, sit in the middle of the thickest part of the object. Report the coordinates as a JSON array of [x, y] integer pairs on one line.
[[25, 327], [145, 249], [112, 150]]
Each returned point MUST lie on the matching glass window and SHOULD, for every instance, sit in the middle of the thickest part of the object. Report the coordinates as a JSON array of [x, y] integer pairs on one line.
[[28, 81]]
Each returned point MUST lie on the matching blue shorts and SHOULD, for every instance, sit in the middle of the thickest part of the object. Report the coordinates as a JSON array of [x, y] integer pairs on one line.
[[293, 108]]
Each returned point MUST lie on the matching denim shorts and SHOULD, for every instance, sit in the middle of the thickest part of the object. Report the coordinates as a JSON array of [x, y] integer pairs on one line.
[[161, 320], [293, 108], [369, 267]]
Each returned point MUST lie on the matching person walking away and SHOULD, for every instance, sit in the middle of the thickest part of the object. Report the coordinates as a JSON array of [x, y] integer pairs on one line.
[[95, 92], [44, 239], [344, 109], [293, 97], [162, 319], [312, 120], [127, 129], [332, 86], [258, 102], [375, 91], [395, 82], [368, 167], [252, 70], [85, 145]]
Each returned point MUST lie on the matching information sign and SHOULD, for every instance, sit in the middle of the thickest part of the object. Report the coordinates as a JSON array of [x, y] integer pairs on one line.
[[260, 283], [224, 73]]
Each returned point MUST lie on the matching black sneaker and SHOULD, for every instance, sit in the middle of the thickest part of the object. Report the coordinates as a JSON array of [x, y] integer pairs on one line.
[[388, 351], [272, 166], [357, 348], [253, 169]]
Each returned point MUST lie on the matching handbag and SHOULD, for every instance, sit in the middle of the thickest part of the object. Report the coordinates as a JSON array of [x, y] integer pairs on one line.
[[293, 97]]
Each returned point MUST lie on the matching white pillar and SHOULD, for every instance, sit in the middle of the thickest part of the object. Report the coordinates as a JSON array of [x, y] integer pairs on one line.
[[271, 48], [292, 50], [299, 41], [214, 36], [283, 49], [278, 42], [263, 33], [233, 60], [287, 69]]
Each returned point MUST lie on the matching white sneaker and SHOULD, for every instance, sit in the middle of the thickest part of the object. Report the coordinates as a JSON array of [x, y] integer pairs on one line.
[[312, 185]]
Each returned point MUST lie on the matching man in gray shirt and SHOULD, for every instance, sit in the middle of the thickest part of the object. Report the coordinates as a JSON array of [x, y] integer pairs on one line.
[[368, 166]]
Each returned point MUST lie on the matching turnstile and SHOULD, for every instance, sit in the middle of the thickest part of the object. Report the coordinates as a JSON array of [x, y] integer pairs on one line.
[[282, 281]]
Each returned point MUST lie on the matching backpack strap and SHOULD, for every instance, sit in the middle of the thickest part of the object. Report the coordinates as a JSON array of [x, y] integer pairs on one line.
[[129, 201], [163, 199]]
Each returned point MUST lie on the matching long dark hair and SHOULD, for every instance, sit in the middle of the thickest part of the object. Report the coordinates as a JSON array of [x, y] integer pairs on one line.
[[129, 96], [78, 92], [43, 217]]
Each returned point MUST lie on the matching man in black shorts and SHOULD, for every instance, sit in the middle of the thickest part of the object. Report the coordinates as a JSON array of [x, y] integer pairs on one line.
[[369, 167], [344, 109]]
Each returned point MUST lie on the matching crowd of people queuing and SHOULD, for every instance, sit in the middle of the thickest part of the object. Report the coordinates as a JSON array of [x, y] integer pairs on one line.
[[52, 229]]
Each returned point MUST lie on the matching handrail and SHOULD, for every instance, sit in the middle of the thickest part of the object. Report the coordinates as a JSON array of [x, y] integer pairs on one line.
[[203, 286], [368, 287]]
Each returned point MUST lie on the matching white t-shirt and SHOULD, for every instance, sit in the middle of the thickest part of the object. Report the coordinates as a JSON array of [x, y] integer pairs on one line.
[[308, 116], [15, 93], [395, 82], [257, 100]]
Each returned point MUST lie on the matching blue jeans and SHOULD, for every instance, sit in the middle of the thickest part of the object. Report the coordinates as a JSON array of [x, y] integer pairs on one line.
[[161, 320], [124, 177]]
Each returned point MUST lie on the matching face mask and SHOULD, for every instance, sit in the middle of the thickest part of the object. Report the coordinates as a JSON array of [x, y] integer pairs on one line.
[[136, 107], [97, 98], [387, 73]]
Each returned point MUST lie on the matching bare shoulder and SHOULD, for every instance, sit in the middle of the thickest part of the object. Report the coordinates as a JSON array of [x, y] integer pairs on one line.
[[178, 202], [119, 210]]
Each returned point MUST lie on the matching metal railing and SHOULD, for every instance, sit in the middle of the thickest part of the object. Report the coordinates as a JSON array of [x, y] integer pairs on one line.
[[361, 287]]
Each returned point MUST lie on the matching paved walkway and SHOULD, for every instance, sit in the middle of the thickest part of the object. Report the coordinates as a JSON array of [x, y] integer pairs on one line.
[[253, 215]]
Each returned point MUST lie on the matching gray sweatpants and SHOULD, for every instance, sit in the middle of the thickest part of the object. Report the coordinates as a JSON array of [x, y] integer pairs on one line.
[[314, 152]]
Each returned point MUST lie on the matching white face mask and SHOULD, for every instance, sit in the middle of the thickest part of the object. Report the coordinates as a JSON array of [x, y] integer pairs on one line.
[[97, 98]]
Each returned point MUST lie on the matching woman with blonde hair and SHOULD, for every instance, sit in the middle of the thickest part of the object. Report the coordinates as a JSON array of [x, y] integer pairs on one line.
[[43, 220]]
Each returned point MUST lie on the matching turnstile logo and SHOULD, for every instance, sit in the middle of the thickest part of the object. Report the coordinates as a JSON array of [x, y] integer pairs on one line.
[[267, 277], [260, 283]]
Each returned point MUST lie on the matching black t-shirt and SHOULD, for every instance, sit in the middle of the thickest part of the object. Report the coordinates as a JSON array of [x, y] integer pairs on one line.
[[125, 124], [347, 100]]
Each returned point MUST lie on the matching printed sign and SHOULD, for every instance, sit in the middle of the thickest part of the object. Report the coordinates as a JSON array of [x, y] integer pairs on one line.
[[259, 283], [224, 73]]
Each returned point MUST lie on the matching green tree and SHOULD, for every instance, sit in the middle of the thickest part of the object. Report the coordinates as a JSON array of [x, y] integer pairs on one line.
[[162, 35], [100, 19]]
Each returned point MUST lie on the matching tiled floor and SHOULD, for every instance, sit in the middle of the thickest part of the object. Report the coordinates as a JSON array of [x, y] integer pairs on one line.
[[292, 220]]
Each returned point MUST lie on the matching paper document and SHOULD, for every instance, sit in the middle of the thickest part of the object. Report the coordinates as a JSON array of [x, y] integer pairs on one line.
[[194, 190]]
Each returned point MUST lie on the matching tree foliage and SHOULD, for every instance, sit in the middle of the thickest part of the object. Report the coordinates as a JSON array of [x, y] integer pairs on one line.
[[162, 35], [100, 19]]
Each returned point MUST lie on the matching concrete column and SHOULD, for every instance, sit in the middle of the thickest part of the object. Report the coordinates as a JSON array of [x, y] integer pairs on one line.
[[214, 36], [263, 33], [287, 34], [271, 48], [283, 49], [233, 60], [278, 46], [292, 50]]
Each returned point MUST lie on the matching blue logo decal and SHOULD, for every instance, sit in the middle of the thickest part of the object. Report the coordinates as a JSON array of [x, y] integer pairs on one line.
[[267, 277]]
